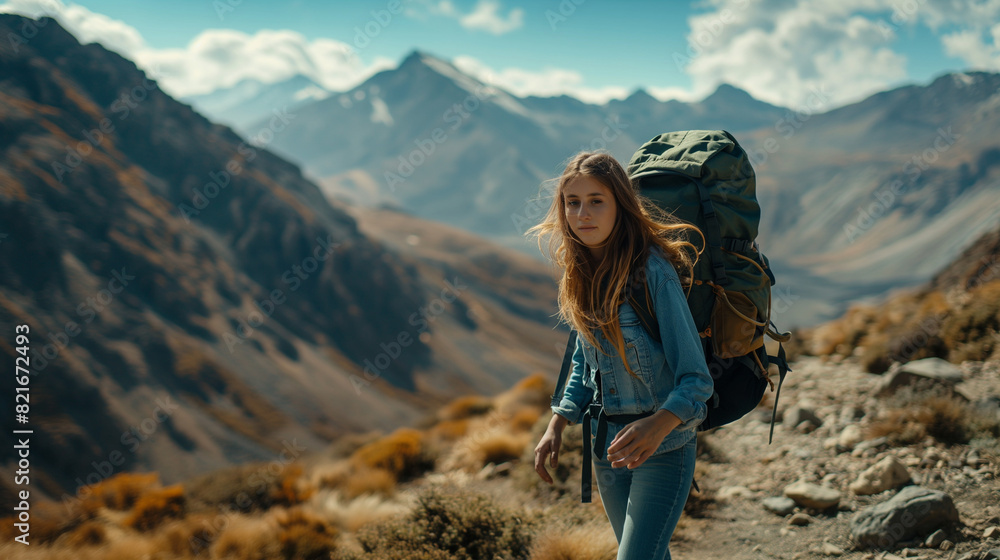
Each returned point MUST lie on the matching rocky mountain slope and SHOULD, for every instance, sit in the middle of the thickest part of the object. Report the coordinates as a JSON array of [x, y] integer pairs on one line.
[[194, 301]]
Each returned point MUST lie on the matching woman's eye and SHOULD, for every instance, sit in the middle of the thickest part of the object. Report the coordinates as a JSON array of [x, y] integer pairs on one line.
[[571, 203], [598, 201]]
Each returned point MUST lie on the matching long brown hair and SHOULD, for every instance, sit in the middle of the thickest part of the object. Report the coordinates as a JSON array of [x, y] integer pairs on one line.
[[639, 225]]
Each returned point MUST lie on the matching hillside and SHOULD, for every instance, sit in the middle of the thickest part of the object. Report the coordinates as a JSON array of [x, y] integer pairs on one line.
[[195, 302], [955, 316]]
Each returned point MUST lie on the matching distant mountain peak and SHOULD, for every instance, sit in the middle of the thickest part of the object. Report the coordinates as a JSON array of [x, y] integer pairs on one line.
[[728, 92], [642, 96]]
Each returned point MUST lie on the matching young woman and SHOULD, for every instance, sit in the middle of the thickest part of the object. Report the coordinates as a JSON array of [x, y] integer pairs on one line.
[[604, 236]]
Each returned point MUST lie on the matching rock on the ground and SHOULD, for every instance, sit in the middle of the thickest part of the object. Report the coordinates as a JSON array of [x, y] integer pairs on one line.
[[810, 495], [991, 532], [831, 549], [850, 436], [935, 539], [800, 520], [911, 512], [779, 505], [929, 370], [883, 475], [727, 493], [798, 415]]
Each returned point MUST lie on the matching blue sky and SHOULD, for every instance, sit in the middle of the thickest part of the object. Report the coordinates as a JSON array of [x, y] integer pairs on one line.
[[778, 50]]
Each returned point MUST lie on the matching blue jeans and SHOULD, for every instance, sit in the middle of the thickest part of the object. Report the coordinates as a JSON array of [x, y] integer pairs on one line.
[[645, 504]]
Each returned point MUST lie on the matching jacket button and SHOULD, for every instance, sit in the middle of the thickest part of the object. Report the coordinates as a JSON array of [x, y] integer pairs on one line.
[[612, 391]]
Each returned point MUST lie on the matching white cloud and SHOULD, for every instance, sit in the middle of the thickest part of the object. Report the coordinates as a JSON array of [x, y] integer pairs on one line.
[[785, 51], [484, 17], [216, 57], [970, 47], [548, 82]]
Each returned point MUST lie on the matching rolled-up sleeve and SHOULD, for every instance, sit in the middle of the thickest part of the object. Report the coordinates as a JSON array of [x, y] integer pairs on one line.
[[576, 395], [683, 351]]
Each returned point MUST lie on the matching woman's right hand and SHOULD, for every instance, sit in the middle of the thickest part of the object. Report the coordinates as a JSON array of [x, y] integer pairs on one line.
[[548, 447]]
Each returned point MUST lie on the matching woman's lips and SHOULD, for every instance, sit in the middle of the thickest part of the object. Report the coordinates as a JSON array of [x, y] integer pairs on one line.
[[587, 228]]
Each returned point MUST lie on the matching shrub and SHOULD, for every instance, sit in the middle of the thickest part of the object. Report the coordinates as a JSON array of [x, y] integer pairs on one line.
[[576, 543], [89, 533], [256, 486], [247, 539], [402, 453], [466, 407], [119, 492], [156, 506], [304, 535], [915, 413], [450, 524], [498, 447], [369, 481]]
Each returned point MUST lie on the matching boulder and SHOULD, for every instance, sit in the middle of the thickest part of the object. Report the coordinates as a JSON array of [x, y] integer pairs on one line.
[[926, 372], [811, 495], [884, 475], [911, 512]]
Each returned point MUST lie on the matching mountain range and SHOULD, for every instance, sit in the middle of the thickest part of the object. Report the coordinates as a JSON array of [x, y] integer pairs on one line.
[[855, 199], [193, 301]]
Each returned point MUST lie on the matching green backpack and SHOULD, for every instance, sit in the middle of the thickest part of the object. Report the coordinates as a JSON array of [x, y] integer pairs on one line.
[[704, 177]]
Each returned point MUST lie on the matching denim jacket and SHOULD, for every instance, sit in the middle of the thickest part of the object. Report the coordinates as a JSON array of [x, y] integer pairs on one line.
[[672, 375]]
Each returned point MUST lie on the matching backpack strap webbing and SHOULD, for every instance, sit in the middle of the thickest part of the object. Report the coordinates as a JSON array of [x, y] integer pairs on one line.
[[783, 369], [644, 309], [564, 369]]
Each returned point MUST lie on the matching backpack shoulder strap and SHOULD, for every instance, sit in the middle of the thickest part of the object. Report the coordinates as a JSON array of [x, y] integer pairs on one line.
[[564, 370], [643, 306]]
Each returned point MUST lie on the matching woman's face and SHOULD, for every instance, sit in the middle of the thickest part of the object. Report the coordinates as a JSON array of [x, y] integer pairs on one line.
[[590, 211]]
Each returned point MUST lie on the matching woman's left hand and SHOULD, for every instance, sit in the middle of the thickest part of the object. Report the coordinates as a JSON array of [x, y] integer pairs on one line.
[[638, 440]]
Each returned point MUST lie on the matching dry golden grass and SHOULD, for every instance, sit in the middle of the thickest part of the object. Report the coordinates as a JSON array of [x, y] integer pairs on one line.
[[247, 538], [90, 533], [488, 445], [465, 407], [587, 542], [369, 481], [402, 453], [449, 430], [524, 419], [156, 506], [303, 534], [944, 418], [118, 492], [352, 514]]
